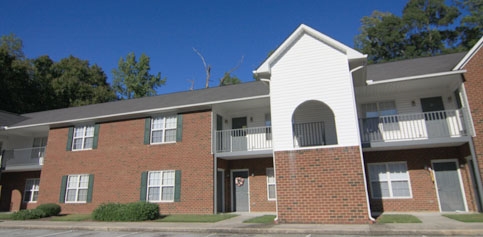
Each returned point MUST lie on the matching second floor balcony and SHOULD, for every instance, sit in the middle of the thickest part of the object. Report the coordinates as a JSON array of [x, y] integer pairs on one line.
[[413, 127], [23, 159], [257, 140]]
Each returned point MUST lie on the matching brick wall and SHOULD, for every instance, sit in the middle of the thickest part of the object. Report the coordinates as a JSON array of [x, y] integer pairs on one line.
[[474, 87], [15, 182], [324, 186], [257, 181], [120, 159], [424, 196]]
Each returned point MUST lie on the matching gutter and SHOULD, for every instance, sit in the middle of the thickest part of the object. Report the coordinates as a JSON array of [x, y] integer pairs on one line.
[[439, 74]]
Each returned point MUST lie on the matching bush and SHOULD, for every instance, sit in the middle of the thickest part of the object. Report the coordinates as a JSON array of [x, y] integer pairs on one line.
[[28, 214], [50, 209], [136, 211]]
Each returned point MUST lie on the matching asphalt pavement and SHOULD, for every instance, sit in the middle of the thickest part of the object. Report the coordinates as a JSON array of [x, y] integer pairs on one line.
[[433, 224]]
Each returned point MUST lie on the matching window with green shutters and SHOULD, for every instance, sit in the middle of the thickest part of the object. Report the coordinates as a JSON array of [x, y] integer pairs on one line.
[[76, 188], [163, 129], [161, 186], [83, 137]]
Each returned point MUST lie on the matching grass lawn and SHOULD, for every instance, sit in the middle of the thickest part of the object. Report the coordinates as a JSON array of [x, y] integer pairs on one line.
[[72, 217], [5, 216], [398, 218], [266, 219], [466, 217], [196, 218]]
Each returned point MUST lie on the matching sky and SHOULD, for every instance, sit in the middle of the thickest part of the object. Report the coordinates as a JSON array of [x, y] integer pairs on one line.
[[102, 31]]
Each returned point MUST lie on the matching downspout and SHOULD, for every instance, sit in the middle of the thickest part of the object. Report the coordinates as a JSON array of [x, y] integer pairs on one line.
[[476, 171], [369, 211]]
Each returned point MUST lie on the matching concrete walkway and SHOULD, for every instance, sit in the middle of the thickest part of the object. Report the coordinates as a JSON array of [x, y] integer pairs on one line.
[[433, 224]]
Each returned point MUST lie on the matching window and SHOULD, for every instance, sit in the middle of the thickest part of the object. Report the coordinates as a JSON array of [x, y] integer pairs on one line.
[[83, 138], [38, 147], [77, 188], [163, 129], [389, 180], [161, 186], [268, 125], [31, 191], [271, 186], [377, 109]]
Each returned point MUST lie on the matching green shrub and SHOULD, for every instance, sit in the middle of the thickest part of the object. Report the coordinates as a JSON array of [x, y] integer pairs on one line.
[[28, 214], [50, 209], [136, 211]]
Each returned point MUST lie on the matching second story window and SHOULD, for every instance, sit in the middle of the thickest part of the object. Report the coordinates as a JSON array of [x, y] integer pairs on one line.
[[83, 138], [377, 109], [163, 129]]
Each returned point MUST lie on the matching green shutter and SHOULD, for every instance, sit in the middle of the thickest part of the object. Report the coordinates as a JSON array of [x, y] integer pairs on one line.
[[179, 128], [147, 131], [96, 136], [90, 188], [63, 185], [144, 186], [69, 139], [177, 186]]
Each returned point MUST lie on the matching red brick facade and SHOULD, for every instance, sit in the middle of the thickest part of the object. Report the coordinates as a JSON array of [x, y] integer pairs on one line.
[[424, 196], [321, 186], [474, 87], [122, 156], [257, 180], [13, 184]]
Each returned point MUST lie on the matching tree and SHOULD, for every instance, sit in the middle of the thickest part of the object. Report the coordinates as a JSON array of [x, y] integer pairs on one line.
[[471, 28], [76, 83], [228, 79], [15, 89], [132, 78]]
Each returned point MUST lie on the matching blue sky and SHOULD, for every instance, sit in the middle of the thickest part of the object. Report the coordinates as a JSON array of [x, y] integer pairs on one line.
[[223, 31]]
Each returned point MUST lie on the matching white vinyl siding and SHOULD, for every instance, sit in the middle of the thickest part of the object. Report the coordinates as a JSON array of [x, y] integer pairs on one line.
[[161, 186], [83, 138], [322, 73], [77, 188], [271, 185], [163, 129], [31, 191], [389, 180]]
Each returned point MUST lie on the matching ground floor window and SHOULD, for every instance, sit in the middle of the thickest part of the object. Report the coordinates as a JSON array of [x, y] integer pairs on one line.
[[271, 185], [389, 180], [31, 191], [161, 186], [77, 188]]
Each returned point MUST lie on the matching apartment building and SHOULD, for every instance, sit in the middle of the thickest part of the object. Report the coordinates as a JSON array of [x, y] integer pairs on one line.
[[321, 137]]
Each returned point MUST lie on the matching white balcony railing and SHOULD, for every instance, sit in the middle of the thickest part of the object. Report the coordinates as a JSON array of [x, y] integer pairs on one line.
[[309, 134], [243, 139], [416, 126], [23, 157]]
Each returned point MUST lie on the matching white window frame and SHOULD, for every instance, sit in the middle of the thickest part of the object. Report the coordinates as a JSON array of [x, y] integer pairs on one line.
[[389, 180], [38, 147], [33, 189], [161, 185], [271, 182], [83, 137], [165, 127], [77, 187], [378, 106]]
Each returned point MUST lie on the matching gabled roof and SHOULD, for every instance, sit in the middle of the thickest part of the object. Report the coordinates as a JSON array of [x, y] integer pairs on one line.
[[469, 55], [413, 67], [265, 67], [197, 99]]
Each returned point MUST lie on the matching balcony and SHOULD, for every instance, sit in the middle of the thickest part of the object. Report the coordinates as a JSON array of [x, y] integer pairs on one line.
[[417, 127], [309, 134], [244, 141], [23, 159]]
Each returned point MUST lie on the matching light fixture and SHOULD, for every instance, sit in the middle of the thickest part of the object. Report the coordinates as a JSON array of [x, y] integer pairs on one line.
[[413, 103]]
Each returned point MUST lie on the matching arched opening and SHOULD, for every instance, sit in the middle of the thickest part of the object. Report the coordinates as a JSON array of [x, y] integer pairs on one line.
[[313, 124]]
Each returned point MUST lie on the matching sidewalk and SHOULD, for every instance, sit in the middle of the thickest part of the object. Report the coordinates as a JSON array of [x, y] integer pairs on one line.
[[433, 224]]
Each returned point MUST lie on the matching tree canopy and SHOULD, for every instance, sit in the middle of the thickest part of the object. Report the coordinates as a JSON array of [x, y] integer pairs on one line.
[[426, 28], [132, 78]]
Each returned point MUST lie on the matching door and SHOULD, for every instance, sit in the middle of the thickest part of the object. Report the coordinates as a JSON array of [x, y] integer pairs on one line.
[[239, 139], [221, 143], [240, 190], [435, 117], [220, 190], [448, 185]]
